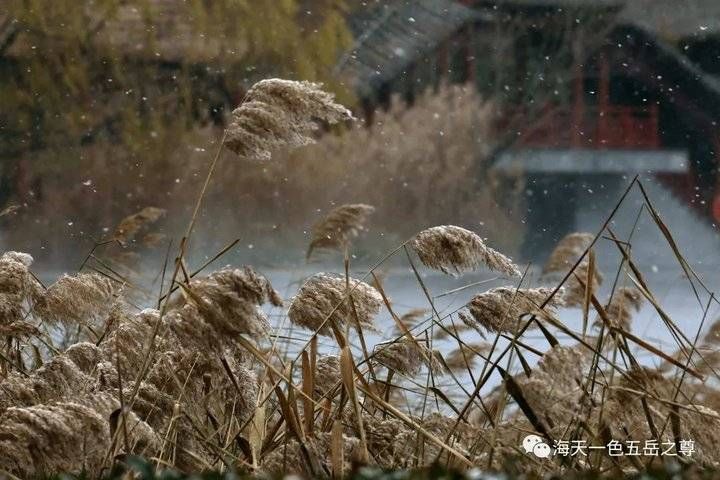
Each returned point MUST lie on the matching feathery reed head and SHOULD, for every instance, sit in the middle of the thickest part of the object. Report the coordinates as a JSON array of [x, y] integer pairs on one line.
[[327, 373], [465, 356], [568, 251], [406, 357], [325, 297], [454, 249], [15, 276], [229, 302], [624, 303], [77, 299], [563, 257], [339, 227], [19, 291], [129, 226], [409, 319], [280, 113], [499, 310], [68, 436], [713, 334]]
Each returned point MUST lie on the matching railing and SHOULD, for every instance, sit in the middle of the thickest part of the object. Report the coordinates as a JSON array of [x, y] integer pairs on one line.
[[612, 127]]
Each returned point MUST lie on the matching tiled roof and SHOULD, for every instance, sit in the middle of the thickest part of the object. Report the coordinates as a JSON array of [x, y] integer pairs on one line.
[[670, 19], [392, 35], [675, 19]]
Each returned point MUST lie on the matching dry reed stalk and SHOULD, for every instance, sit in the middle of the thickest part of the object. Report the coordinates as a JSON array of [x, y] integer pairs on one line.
[[337, 450], [454, 249], [321, 302], [337, 229], [347, 373]]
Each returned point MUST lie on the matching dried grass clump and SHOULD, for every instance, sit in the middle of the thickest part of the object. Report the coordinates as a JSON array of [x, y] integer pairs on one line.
[[625, 302], [289, 459], [499, 310], [130, 226], [77, 299], [66, 374], [189, 380], [323, 300], [339, 227], [395, 446], [280, 113], [449, 248], [63, 436], [406, 357], [554, 388]]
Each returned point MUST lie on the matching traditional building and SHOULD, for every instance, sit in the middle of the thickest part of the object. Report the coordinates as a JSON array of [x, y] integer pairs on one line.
[[591, 91]]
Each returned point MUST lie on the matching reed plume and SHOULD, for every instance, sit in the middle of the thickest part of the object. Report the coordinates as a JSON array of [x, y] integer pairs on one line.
[[563, 257], [280, 113], [337, 229], [77, 299], [454, 249], [228, 302], [19, 290], [323, 300], [499, 310], [452, 330], [624, 303], [712, 336], [65, 436], [568, 251], [327, 373], [65, 375], [465, 356], [130, 226], [406, 357], [409, 319], [553, 389]]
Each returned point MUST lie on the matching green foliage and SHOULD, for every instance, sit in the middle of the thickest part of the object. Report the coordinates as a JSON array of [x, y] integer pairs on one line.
[[76, 71]]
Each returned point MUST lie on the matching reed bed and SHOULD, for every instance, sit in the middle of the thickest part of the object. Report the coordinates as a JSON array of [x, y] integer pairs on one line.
[[203, 380]]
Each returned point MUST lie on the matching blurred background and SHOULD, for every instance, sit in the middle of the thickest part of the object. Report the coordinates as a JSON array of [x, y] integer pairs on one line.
[[522, 120]]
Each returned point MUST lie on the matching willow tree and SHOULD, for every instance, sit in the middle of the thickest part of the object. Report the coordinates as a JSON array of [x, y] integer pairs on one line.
[[135, 72]]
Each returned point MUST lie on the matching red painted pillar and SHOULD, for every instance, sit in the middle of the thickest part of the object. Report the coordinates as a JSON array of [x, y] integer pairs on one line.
[[578, 115], [469, 48], [603, 100]]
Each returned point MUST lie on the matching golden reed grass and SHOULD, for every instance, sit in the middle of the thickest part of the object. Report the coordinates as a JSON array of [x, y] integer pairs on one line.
[[205, 382]]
